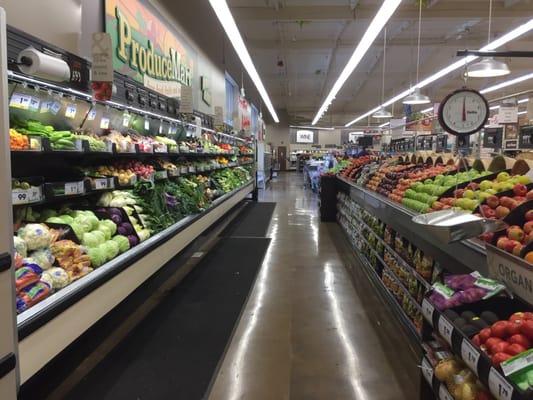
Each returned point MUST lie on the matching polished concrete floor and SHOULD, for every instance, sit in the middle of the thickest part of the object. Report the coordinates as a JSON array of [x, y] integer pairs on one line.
[[310, 331]]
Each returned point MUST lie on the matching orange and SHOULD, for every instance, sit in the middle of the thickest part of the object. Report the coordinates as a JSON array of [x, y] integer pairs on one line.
[[529, 257]]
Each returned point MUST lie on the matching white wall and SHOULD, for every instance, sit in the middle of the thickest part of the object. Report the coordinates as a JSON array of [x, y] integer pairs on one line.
[[55, 21]]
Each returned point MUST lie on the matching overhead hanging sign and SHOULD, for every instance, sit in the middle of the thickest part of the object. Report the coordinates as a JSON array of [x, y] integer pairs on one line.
[[304, 136], [146, 49], [508, 115], [244, 115]]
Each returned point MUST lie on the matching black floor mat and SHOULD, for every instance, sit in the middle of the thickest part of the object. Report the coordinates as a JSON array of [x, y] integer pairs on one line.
[[174, 352], [253, 221]]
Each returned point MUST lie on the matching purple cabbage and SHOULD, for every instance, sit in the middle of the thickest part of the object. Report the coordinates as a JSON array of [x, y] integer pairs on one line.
[[459, 282], [127, 227], [116, 218], [134, 241]]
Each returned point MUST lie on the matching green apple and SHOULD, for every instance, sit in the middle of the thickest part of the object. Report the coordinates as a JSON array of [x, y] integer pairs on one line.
[[469, 194], [491, 191], [524, 179], [486, 184], [502, 176]]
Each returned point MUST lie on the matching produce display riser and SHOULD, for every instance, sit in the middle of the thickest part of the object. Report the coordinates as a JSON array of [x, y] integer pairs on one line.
[[461, 257], [384, 293], [46, 329]]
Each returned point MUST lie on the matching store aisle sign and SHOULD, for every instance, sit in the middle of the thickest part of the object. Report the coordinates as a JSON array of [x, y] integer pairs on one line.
[[303, 136], [508, 115], [146, 49]]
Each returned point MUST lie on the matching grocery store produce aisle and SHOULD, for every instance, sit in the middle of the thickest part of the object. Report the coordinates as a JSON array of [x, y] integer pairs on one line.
[[308, 331]]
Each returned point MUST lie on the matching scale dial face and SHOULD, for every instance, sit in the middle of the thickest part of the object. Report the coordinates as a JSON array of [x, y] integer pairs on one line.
[[463, 112]]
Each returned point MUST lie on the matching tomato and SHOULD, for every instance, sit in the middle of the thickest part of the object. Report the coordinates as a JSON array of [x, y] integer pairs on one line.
[[482, 395], [498, 358], [500, 347], [484, 334], [476, 340], [527, 329], [491, 342], [499, 329], [521, 340], [517, 316], [515, 349], [528, 315], [513, 327]]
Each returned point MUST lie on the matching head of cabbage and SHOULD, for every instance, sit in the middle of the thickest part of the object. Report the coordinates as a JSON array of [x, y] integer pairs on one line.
[[97, 256], [123, 243]]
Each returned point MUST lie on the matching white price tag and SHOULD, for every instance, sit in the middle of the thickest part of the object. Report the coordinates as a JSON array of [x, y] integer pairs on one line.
[[427, 311], [70, 112], [100, 183], [55, 107], [445, 329], [72, 188], [26, 196], [34, 104], [146, 125], [126, 119], [161, 148], [104, 123], [444, 394], [498, 386], [20, 100], [427, 371], [92, 115], [469, 354], [45, 107]]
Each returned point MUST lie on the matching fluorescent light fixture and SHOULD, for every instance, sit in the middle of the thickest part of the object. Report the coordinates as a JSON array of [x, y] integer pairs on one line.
[[313, 127], [522, 113], [515, 33], [380, 20], [228, 23], [504, 84], [494, 107], [384, 125], [426, 110]]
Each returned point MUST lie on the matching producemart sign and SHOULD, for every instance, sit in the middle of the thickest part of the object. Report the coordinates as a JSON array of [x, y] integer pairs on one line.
[[146, 49]]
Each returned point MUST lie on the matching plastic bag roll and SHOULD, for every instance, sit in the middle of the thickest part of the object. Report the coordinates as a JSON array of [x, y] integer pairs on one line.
[[44, 66]]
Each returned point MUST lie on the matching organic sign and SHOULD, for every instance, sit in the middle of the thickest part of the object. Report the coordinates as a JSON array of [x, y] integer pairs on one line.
[[145, 48], [304, 136]]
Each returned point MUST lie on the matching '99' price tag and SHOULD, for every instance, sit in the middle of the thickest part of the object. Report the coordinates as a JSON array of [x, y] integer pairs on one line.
[[444, 394], [427, 371]]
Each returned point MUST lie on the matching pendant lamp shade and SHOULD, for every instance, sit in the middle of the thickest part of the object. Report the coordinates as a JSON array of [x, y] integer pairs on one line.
[[382, 114], [416, 98], [488, 67]]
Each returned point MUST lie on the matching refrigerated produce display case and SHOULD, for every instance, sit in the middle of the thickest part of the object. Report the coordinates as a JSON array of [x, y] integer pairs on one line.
[[466, 306], [103, 194]]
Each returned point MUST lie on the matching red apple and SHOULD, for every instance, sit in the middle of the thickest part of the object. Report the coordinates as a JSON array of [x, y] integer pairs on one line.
[[498, 358], [516, 233], [513, 327], [504, 201], [458, 193], [519, 199], [529, 215], [484, 208], [529, 195], [529, 238], [517, 249], [493, 201], [502, 242], [512, 204], [528, 226], [502, 212], [510, 245], [487, 237], [484, 335], [510, 228], [490, 213], [500, 347], [520, 189]]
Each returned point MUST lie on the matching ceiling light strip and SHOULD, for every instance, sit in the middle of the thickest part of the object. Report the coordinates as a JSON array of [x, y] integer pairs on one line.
[[228, 23], [515, 33], [380, 20]]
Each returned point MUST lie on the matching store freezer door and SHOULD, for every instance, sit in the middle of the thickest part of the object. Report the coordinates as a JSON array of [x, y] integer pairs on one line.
[[8, 338]]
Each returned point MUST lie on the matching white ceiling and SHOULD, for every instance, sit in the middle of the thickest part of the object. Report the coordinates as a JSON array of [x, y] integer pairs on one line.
[[315, 38]]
